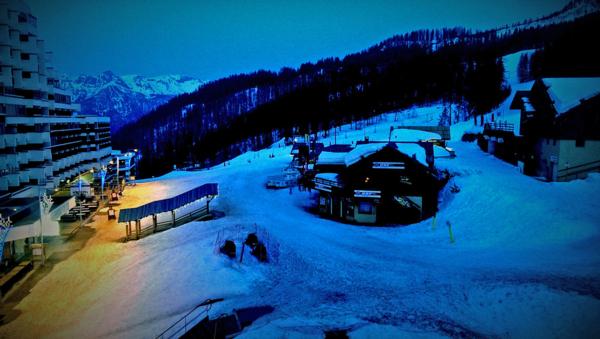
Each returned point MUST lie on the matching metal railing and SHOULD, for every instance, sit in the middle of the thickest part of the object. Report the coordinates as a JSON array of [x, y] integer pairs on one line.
[[189, 320], [500, 126]]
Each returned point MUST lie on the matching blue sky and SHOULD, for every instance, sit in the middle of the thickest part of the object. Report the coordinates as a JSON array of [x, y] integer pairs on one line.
[[212, 39]]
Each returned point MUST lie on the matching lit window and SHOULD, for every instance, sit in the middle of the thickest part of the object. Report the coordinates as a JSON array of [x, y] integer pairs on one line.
[[365, 208]]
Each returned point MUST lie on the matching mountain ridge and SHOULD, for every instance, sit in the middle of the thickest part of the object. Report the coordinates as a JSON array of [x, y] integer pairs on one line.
[[126, 98]]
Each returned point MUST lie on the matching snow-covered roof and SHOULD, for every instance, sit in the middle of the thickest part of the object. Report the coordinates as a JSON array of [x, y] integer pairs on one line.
[[413, 151], [332, 158], [327, 176], [362, 151], [568, 92], [439, 152], [403, 134]]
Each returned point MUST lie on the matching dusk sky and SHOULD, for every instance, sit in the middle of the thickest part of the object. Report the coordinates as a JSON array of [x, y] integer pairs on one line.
[[212, 39]]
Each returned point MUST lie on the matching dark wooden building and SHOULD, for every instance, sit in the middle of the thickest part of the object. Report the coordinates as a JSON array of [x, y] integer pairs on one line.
[[560, 128], [378, 183]]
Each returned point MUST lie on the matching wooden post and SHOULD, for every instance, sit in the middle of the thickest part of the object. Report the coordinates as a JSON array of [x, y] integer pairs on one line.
[[450, 232], [173, 217], [242, 255], [154, 222], [128, 230], [138, 228]]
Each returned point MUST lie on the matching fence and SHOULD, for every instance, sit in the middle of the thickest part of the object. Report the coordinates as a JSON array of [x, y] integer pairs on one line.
[[500, 126]]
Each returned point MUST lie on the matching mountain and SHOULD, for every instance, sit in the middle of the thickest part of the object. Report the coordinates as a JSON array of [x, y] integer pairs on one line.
[[229, 116], [126, 98], [571, 11]]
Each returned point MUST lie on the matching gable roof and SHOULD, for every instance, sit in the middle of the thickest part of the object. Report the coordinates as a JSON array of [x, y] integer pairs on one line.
[[568, 93], [364, 150]]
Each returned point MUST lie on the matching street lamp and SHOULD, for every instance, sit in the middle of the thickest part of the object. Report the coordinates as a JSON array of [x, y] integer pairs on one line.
[[45, 205], [102, 178], [5, 225]]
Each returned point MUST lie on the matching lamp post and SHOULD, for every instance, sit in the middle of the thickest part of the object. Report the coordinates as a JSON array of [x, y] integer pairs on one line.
[[5, 225], [45, 205], [102, 179]]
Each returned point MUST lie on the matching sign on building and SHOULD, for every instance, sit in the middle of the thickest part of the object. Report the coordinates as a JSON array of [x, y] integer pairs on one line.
[[367, 194], [388, 165]]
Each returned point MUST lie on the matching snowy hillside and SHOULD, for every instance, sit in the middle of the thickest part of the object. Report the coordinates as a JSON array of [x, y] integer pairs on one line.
[[533, 272], [126, 98]]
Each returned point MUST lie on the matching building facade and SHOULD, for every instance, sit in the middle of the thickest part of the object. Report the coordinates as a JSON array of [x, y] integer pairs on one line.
[[378, 183], [44, 142], [560, 124]]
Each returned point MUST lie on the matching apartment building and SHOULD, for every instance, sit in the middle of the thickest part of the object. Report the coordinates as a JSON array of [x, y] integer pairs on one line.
[[44, 142]]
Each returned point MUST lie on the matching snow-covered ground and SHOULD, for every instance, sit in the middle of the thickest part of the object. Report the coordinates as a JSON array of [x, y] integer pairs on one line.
[[525, 262]]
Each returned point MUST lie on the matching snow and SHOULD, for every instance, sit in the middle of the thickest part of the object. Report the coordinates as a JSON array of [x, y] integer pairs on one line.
[[332, 158], [569, 92], [171, 84], [362, 151], [407, 135], [327, 176], [502, 113], [414, 151], [439, 151], [525, 261]]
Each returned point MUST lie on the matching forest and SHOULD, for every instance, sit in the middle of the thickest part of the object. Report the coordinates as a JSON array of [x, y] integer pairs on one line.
[[229, 116]]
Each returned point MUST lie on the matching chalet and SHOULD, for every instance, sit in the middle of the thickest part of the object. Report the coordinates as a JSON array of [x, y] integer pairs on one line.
[[378, 183], [560, 128]]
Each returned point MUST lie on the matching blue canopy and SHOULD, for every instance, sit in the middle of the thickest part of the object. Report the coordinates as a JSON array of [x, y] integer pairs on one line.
[[166, 205]]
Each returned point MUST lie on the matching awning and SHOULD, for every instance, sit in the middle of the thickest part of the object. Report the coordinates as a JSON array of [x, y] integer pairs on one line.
[[170, 204]]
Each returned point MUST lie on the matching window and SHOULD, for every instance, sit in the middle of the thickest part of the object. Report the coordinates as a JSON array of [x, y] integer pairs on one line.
[[24, 56], [365, 208], [22, 17], [580, 143], [26, 75], [24, 37]]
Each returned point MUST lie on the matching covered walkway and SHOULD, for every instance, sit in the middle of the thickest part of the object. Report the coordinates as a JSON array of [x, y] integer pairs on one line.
[[190, 198]]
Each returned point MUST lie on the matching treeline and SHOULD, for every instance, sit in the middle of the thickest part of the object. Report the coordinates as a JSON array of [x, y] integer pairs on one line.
[[229, 116]]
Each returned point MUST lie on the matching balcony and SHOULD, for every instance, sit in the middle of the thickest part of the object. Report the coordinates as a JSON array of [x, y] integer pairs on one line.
[[10, 140], [39, 155], [13, 180], [22, 157], [38, 138]]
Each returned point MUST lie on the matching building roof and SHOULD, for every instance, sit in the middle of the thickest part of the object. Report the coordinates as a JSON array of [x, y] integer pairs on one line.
[[364, 150], [414, 151], [338, 148], [332, 158], [169, 204], [408, 135], [327, 176], [567, 93]]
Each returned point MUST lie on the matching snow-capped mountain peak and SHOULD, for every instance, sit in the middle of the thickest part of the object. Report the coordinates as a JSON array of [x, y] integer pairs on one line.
[[126, 98]]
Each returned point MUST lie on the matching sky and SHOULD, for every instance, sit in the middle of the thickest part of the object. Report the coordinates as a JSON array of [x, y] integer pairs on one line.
[[212, 39]]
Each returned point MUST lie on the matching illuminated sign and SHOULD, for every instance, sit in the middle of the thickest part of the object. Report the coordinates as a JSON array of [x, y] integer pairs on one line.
[[367, 194], [388, 165]]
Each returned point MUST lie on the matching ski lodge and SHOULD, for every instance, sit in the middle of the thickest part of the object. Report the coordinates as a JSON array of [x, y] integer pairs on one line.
[[379, 182]]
